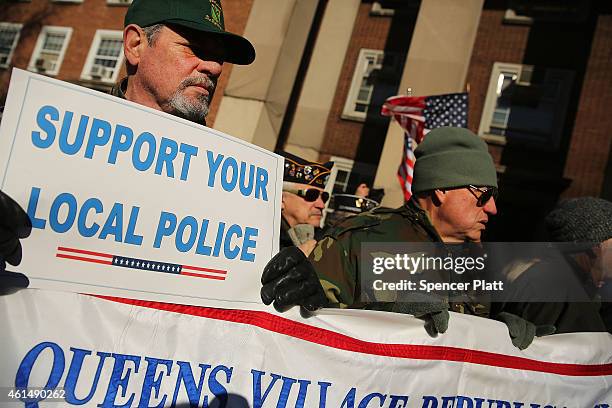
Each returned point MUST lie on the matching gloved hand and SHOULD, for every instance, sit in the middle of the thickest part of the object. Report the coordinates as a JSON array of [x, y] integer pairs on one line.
[[432, 309], [14, 224], [289, 279], [522, 331]]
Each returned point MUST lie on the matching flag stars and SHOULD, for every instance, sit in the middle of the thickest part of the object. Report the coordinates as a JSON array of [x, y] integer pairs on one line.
[[144, 264]]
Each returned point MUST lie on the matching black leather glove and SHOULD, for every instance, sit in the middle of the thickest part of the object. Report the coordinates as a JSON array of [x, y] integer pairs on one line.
[[289, 279], [522, 331], [14, 224]]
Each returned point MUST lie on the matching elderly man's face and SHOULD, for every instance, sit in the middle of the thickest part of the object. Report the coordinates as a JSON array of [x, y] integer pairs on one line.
[[297, 210], [178, 72], [459, 218]]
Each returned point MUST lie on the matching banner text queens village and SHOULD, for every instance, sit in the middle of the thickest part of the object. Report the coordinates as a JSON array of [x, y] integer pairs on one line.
[[126, 380], [93, 137]]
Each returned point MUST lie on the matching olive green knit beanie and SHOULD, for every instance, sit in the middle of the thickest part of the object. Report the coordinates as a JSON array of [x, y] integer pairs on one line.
[[451, 157]]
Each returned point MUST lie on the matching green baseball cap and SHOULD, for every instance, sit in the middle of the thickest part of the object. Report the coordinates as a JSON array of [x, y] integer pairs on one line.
[[199, 15]]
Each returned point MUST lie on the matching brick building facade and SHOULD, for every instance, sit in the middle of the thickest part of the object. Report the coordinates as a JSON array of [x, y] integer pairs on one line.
[[537, 72]]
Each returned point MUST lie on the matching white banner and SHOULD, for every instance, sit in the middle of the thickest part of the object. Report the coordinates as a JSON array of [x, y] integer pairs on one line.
[[126, 198], [116, 352]]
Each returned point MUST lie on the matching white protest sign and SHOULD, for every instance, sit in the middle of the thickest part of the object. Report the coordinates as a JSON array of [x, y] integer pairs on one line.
[[130, 201], [112, 353]]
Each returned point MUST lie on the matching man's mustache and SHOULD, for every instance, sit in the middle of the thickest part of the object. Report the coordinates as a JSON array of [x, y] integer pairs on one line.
[[203, 81]]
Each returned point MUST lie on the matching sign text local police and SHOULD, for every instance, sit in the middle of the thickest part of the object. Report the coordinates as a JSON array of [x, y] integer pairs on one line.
[[84, 136]]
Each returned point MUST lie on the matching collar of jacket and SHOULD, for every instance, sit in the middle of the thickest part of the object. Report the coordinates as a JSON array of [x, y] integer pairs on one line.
[[284, 238], [119, 89], [413, 210]]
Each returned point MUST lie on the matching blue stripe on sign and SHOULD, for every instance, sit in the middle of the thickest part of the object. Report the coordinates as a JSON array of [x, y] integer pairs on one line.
[[146, 265]]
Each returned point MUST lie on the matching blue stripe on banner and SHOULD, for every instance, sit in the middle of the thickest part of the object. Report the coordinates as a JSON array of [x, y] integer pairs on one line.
[[146, 265]]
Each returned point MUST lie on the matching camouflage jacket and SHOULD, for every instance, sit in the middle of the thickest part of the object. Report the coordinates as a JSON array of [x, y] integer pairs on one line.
[[336, 258]]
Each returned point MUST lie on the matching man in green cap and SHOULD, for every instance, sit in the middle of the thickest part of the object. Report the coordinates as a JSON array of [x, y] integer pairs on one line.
[[454, 190], [174, 51]]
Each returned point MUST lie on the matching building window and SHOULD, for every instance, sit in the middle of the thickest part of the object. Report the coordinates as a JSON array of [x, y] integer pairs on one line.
[[105, 57], [50, 49], [525, 103], [512, 17], [378, 10], [362, 85], [341, 173], [9, 36]]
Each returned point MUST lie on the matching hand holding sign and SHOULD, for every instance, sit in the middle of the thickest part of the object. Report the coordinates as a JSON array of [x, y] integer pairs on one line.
[[14, 224], [289, 279]]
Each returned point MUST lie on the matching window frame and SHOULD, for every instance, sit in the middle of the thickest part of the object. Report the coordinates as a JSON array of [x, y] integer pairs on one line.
[[38, 48], [379, 11], [102, 34], [9, 56], [343, 164], [349, 111], [565, 77], [118, 2], [491, 99]]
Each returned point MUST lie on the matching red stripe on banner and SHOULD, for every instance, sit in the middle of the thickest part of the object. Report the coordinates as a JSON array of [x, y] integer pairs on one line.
[[339, 341], [197, 268], [201, 275], [82, 251], [81, 258]]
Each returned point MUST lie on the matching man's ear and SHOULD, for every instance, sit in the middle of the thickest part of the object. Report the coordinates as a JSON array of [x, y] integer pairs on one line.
[[134, 43], [438, 197], [283, 201]]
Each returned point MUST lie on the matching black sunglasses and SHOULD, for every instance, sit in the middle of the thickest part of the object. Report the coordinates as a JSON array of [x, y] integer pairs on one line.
[[311, 194], [485, 194]]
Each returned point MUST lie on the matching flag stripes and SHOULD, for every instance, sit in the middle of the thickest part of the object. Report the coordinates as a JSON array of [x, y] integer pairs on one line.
[[82, 255]]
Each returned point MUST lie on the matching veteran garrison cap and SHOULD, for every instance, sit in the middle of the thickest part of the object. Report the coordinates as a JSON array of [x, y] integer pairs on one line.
[[298, 170], [200, 15]]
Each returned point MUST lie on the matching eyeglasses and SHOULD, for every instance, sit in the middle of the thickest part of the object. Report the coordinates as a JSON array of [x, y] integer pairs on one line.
[[485, 194], [311, 194]]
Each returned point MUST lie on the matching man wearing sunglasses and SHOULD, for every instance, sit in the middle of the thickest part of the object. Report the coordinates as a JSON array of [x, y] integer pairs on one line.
[[454, 190], [303, 200]]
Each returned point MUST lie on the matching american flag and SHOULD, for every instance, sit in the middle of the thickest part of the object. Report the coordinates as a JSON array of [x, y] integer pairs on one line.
[[417, 115]]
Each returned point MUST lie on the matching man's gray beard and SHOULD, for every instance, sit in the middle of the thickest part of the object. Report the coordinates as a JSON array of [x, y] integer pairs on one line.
[[196, 108]]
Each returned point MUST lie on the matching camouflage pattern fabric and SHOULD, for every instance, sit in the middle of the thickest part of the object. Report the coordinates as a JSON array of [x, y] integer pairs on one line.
[[336, 258]]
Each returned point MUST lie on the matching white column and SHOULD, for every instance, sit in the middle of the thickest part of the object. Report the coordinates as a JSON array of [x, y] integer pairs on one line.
[[437, 63], [256, 95], [308, 128]]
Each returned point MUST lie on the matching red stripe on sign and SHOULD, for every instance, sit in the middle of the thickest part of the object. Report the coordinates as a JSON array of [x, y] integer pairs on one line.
[[332, 339], [197, 268], [80, 258], [201, 275], [82, 251]]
